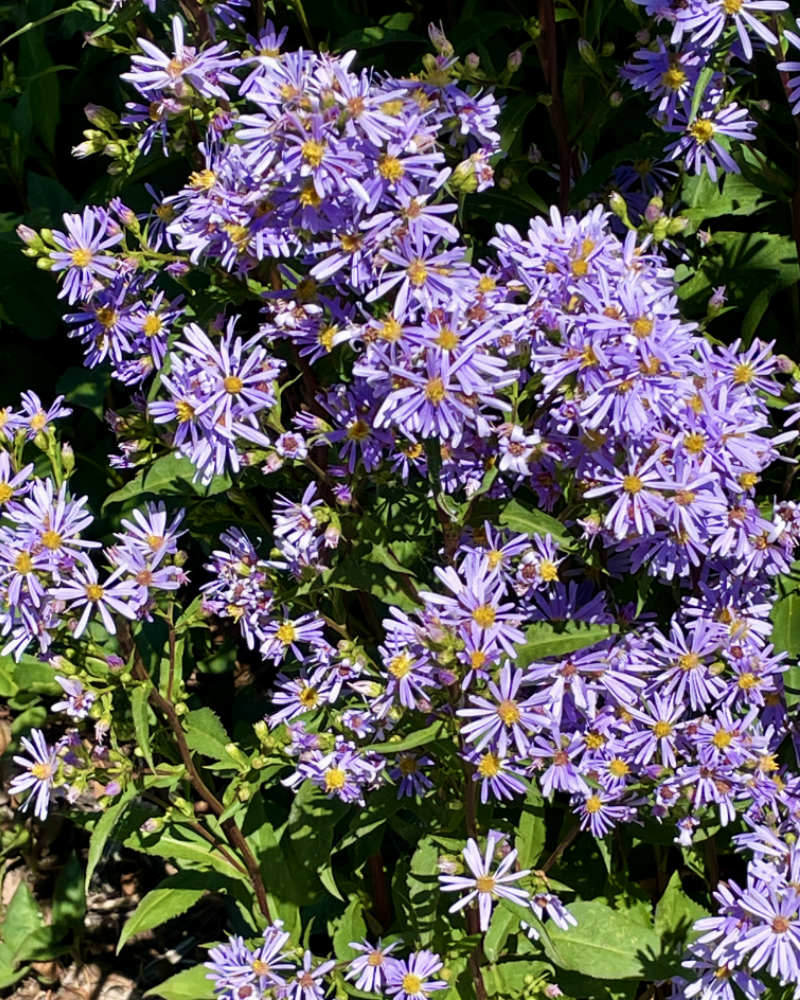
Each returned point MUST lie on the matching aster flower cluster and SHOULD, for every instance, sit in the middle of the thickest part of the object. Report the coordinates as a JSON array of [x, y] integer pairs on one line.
[[239, 972], [49, 580], [710, 43], [555, 371]]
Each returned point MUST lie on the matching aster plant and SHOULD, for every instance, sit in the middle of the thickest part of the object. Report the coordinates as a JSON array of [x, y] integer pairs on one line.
[[493, 539]]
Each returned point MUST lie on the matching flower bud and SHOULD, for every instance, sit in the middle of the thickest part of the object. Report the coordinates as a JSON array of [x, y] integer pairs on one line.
[[463, 178], [607, 50], [472, 61], [615, 99], [29, 236], [654, 209], [587, 53], [102, 117], [514, 61], [67, 458], [244, 793]]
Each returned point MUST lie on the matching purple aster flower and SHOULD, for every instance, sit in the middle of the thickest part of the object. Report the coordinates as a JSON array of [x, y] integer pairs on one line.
[[410, 978], [80, 251], [84, 590], [369, 968], [506, 717], [773, 939], [705, 20], [484, 884], [307, 983], [407, 772], [793, 82], [37, 777], [700, 144], [78, 700]]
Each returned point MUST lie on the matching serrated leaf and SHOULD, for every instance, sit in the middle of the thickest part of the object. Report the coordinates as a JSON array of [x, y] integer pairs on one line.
[[607, 944], [191, 984], [351, 926], [206, 735]]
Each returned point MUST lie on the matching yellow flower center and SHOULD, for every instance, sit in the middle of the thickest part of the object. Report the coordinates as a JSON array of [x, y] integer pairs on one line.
[[325, 337], [400, 665], [747, 480], [390, 168], [411, 983], [309, 196], [494, 557], [732, 6], [357, 430], [579, 267], [747, 681], [548, 571], [374, 959], [152, 325], [721, 739], [392, 108], [674, 78], [202, 180], [701, 130], [232, 384], [435, 391], [447, 339], [94, 591], [484, 883], [391, 330], [694, 442], [42, 771], [6, 492], [484, 615], [489, 765], [51, 540], [486, 284], [106, 316], [593, 804], [632, 484], [313, 152], [335, 778], [743, 373], [184, 411], [509, 712], [662, 729], [308, 697], [618, 767], [417, 272], [689, 661], [23, 563], [81, 257], [38, 420], [286, 633], [642, 327]]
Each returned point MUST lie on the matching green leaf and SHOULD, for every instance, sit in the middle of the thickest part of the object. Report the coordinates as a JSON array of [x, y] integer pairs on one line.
[[543, 639], [169, 475], [103, 830], [22, 920], [703, 81], [69, 898], [531, 831], [675, 915], [206, 735], [174, 896], [415, 739], [196, 850], [351, 926], [191, 984], [504, 922], [528, 521], [786, 625], [86, 388], [141, 721], [607, 944]]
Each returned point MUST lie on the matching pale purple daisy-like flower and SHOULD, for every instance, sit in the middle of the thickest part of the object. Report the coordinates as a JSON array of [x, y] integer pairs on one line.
[[700, 144], [793, 82], [485, 884], [78, 700], [369, 967], [774, 937], [705, 21], [85, 591], [81, 251], [504, 719], [307, 984], [410, 979], [37, 777]]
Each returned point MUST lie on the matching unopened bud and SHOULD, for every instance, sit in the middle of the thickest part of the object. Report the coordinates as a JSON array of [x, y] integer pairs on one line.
[[514, 61], [67, 458], [654, 209], [102, 117], [29, 236], [615, 99], [243, 794], [587, 53], [472, 61]]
